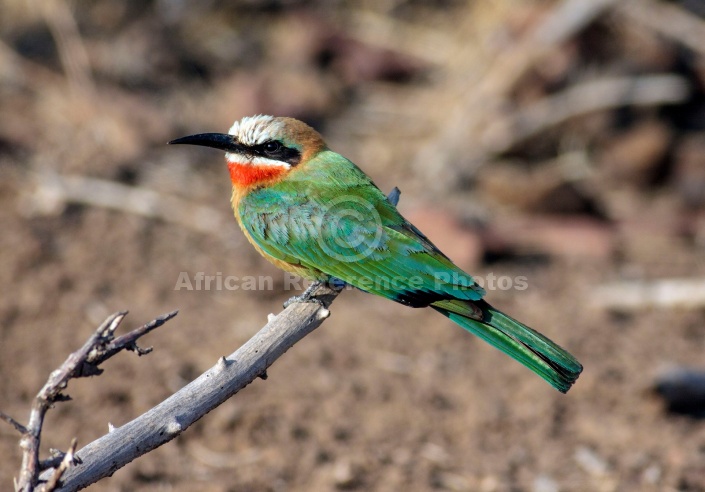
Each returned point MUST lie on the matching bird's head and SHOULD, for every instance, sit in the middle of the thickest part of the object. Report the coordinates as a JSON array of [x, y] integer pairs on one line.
[[262, 149]]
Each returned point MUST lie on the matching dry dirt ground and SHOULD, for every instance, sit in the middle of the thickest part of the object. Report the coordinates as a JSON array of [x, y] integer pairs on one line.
[[381, 397]]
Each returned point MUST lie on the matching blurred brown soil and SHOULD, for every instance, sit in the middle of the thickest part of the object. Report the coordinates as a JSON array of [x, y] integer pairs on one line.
[[381, 397]]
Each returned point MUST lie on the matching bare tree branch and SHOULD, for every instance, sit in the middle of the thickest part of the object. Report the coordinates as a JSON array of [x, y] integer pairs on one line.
[[161, 424], [84, 362]]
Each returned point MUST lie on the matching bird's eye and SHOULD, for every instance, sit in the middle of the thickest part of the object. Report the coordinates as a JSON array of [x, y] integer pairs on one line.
[[271, 147]]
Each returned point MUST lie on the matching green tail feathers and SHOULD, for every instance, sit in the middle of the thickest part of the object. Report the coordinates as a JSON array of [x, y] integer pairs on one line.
[[559, 368]]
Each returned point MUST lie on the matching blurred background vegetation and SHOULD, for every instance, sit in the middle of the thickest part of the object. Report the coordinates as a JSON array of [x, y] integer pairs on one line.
[[563, 142]]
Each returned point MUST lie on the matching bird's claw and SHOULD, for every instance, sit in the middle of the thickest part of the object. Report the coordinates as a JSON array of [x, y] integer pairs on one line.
[[303, 298], [306, 296]]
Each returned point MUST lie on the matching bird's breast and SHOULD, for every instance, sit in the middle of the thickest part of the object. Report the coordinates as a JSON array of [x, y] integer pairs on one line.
[[295, 268]]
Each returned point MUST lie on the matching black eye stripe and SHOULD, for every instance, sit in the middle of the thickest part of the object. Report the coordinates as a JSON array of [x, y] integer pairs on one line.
[[277, 152]]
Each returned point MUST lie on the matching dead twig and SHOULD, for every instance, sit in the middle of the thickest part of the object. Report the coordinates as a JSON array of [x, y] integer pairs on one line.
[[72, 51], [128, 341], [84, 362], [667, 293], [483, 102], [18, 427], [174, 415], [581, 99], [668, 20], [52, 192]]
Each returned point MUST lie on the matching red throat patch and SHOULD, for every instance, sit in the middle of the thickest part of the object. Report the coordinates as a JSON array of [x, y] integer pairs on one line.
[[247, 175]]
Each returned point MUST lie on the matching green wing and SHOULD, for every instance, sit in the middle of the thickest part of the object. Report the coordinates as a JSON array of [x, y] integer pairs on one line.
[[331, 218]]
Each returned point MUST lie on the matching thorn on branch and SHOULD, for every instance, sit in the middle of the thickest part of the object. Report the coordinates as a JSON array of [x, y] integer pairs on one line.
[[223, 363], [133, 347]]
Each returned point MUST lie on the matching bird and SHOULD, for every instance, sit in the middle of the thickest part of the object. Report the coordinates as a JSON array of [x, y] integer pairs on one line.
[[314, 213]]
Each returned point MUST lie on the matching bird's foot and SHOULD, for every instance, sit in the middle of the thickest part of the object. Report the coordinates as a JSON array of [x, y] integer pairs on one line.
[[306, 296], [336, 284]]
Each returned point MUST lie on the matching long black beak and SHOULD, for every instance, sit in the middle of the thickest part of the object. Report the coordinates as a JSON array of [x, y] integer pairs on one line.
[[221, 141]]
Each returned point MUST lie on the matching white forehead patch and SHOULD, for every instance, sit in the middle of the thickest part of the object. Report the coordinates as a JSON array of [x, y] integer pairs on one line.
[[254, 130]]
